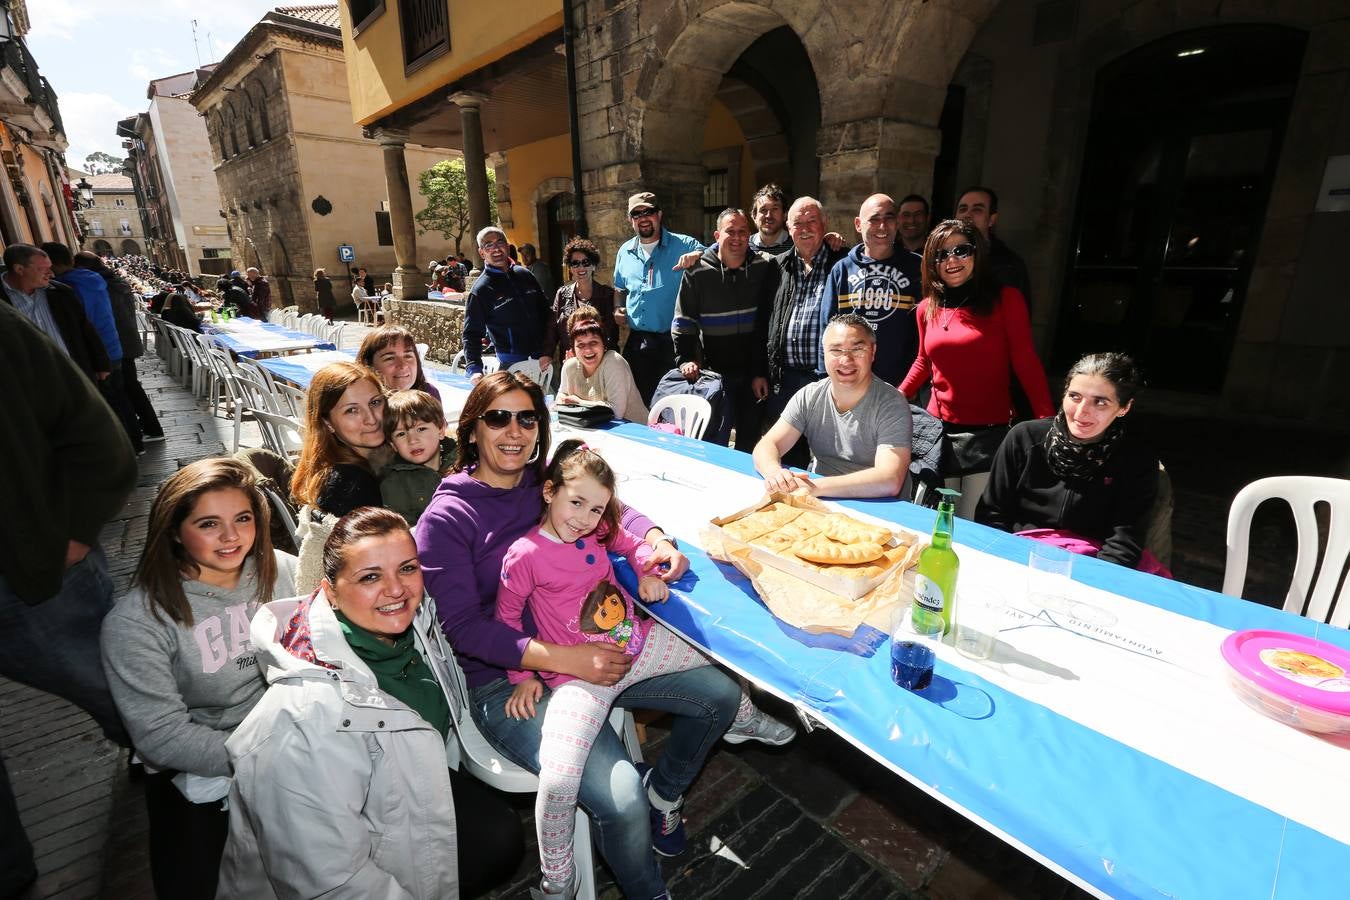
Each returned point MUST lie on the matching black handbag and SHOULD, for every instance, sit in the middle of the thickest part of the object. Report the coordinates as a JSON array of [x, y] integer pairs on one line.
[[586, 415]]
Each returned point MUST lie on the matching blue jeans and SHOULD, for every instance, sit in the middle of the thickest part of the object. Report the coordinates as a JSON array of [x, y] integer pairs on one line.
[[703, 701], [53, 646]]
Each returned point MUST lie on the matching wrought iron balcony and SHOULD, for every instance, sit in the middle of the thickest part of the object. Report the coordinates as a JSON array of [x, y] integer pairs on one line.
[[26, 98]]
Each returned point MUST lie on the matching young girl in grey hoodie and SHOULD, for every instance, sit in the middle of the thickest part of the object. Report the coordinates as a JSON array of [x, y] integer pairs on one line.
[[180, 665]]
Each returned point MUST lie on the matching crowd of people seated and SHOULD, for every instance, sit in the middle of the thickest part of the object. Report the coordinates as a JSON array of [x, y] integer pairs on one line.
[[296, 715]]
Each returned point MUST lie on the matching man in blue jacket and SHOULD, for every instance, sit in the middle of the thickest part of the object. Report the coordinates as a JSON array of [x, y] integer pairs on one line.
[[506, 304], [646, 273], [92, 290]]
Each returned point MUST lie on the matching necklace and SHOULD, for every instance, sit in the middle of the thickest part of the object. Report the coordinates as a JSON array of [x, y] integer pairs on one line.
[[951, 312]]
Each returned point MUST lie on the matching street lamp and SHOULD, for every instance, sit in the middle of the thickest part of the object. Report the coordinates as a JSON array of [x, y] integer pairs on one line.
[[86, 192]]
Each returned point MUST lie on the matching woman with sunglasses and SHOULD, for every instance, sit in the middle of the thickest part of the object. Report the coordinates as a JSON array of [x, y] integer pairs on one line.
[[492, 497], [582, 258], [973, 337], [595, 373]]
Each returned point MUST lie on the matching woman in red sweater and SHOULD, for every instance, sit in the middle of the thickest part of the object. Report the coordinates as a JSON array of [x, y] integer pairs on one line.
[[973, 337]]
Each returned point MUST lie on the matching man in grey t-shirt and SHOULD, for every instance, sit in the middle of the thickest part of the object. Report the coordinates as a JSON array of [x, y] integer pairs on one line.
[[857, 426]]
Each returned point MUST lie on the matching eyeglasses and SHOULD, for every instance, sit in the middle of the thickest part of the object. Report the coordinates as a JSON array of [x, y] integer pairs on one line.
[[643, 213], [840, 353], [491, 245], [960, 251], [497, 419], [580, 264]]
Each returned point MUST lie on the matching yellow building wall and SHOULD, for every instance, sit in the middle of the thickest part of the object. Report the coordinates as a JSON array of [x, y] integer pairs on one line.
[[479, 34], [529, 166], [722, 130], [35, 174]]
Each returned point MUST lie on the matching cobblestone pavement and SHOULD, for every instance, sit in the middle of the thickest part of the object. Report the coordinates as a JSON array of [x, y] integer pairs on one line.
[[815, 819]]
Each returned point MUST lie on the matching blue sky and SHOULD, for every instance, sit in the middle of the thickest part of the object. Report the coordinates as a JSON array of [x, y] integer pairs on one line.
[[100, 57]]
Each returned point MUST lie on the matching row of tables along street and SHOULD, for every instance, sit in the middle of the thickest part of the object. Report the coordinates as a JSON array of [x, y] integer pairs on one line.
[[1103, 741]]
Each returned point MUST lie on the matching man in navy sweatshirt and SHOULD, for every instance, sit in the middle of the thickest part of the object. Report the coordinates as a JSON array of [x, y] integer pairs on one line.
[[506, 304], [879, 280]]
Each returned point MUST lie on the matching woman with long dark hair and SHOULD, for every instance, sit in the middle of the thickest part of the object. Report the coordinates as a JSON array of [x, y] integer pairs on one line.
[[182, 670], [1080, 479], [974, 337]]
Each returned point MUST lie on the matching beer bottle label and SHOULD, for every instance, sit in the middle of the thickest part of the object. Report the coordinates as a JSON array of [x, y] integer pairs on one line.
[[928, 594]]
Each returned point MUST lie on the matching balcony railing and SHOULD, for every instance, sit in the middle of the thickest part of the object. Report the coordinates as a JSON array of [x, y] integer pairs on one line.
[[35, 90]]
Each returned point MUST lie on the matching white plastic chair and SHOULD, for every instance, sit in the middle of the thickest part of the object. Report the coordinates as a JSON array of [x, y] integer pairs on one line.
[[1302, 493], [290, 399], [482, 760], [530, 369], [690, 413], [280, 434], [283, 512], [459, 363], [491, 364]]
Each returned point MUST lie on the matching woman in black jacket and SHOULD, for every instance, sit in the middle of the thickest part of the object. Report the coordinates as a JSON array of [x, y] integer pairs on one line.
[[1080, 479], [323, 294], [178, 311]]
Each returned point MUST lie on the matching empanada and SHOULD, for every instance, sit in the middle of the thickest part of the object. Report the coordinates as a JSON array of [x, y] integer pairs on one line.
[[847, 530], [820, 549], [761, 521], [890, 557]]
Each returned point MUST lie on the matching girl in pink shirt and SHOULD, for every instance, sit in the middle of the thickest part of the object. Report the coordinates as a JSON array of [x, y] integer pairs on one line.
[[561, 571]]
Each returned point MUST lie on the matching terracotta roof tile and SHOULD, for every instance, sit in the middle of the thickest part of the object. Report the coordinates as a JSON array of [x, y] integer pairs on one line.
[[319, 14]]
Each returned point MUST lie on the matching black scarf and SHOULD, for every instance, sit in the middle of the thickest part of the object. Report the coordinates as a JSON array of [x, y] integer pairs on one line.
[[1073, 460]]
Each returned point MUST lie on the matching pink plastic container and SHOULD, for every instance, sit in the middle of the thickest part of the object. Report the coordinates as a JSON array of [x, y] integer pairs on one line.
[[1291, 678]]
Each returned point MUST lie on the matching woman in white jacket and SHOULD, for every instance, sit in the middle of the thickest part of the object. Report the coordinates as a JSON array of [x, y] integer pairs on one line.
[[341, 780]]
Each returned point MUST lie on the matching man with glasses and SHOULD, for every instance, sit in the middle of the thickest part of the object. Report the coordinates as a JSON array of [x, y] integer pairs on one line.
[[507, 305], [879, 280], [645, 273], [857, 426], [721, 320]]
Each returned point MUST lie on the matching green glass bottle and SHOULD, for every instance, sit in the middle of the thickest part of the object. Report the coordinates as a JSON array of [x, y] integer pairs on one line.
[[935, 577]]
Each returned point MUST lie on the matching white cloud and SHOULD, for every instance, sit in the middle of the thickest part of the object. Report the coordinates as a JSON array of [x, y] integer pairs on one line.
[[91, 124], [154, 63]]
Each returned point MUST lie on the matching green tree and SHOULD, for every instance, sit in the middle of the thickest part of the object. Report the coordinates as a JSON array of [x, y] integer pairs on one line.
[[446, 190], [100, 163]]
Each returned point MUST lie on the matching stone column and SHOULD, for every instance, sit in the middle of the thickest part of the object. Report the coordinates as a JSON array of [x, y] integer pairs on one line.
[[408, 281], [872, 155], [475, 162]]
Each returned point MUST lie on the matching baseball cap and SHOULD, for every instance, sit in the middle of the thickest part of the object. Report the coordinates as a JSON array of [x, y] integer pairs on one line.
[[645, 198]]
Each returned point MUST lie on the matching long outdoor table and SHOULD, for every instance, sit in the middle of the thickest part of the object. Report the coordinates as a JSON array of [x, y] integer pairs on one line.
[[253, 338], [1105, 743]]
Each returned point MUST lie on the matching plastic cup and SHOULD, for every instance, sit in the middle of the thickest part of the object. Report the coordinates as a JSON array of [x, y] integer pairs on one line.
[[914, 642], [1048, 572], [978, 620]]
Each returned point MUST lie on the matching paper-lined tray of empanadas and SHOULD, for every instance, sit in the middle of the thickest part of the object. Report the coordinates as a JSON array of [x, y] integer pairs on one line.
[[798, 534]]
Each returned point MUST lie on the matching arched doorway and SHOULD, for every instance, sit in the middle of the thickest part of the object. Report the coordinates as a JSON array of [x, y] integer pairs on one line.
[[103, 248], [1181, 151], [559, 227], [131, 248]]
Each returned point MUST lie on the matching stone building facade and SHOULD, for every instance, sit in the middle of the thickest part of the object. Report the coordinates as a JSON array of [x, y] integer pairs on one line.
[[296, 178], [112, 225], [1171, 198], [170, 162]]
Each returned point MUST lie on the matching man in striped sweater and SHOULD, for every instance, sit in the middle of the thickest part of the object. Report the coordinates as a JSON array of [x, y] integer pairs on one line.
[[722, 322]]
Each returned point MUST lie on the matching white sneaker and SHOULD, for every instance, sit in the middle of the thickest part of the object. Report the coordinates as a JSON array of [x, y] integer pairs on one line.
[[762, 727]]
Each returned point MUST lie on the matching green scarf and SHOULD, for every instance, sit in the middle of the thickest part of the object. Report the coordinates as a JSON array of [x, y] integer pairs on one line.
[[401, 672]]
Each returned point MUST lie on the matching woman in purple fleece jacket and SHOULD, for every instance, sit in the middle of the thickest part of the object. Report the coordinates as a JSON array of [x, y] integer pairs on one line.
[[492, 497]]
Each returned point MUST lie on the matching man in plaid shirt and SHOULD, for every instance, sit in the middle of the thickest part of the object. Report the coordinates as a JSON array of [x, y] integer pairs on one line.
[[800, 311]]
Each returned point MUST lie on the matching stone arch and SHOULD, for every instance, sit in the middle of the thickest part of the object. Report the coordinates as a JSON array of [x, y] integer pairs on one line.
[[684, 69], [281, 269], [129, 248], [259, 94], [250, 113], [103, 248]]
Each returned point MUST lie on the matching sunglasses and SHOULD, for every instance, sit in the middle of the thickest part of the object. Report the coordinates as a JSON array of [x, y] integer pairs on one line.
[[960, 251], [580, 264], [497, 419], [643, 213]]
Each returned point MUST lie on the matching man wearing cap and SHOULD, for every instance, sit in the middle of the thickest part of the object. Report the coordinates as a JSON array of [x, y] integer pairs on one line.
[[506, 304], [647, 276]]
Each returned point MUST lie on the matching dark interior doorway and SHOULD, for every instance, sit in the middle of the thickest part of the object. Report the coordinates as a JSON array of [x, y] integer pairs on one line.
[[1181, 151], [560, 226]]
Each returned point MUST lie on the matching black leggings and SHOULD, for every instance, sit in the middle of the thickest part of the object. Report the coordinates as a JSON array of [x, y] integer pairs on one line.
[[491, 840], [186, 841]]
